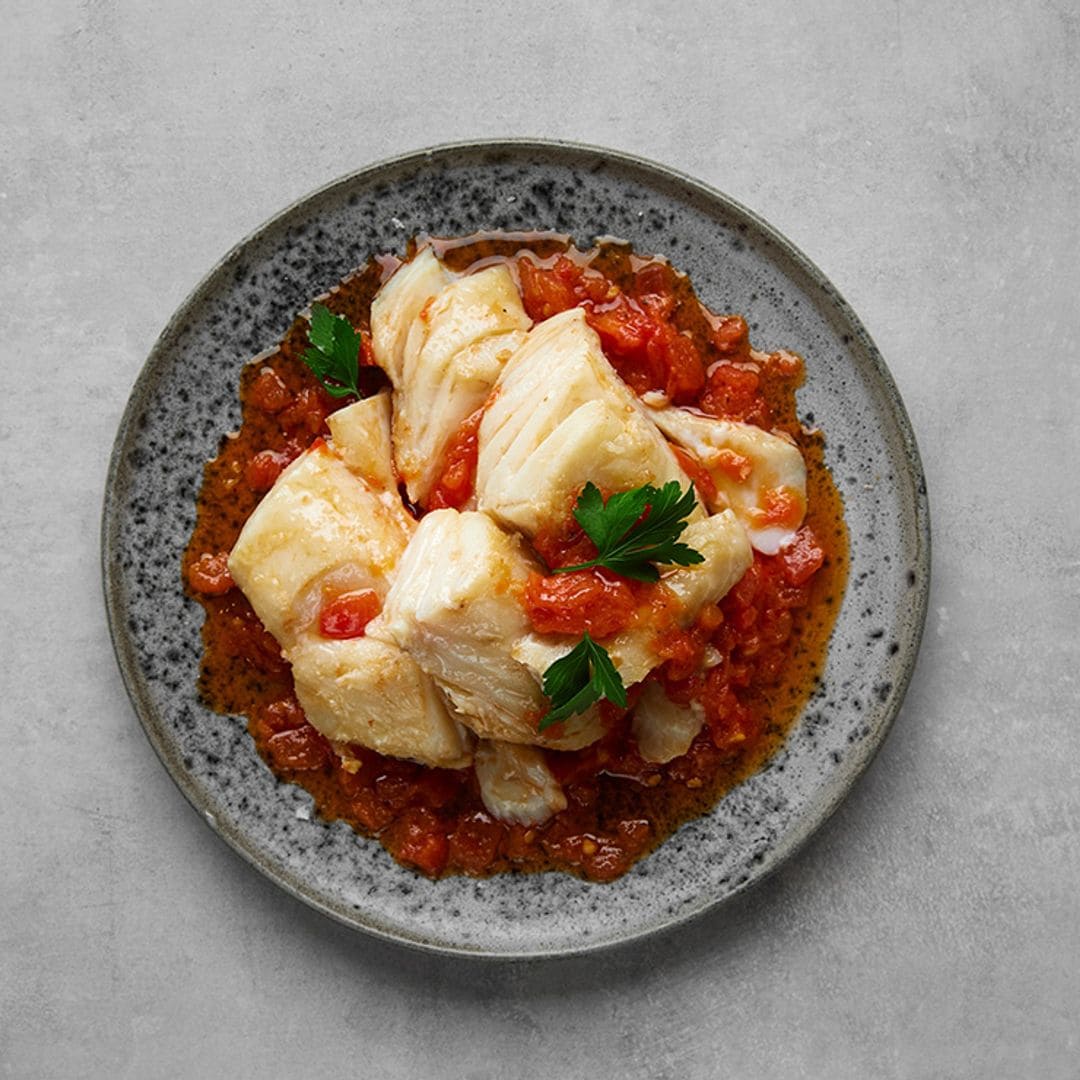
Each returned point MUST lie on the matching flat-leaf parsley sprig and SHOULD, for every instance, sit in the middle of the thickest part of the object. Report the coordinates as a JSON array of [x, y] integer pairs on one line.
[[335, 352], [628, 543], [580, 679]]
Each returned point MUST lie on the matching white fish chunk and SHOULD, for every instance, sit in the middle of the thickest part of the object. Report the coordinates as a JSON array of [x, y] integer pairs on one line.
[[663, 729], [561, 416], [769, 463], [398, 303], [368, 692], [727, 556], [455, 608], [723, 542], [516, 784], [455, 349], [319, 528], [361, 434]]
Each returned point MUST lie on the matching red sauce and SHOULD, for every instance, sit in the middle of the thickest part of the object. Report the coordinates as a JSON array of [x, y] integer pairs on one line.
[[766, 640], [454, 486]]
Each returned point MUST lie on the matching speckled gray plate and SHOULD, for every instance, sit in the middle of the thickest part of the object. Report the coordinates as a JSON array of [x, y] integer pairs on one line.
[[186, 397]]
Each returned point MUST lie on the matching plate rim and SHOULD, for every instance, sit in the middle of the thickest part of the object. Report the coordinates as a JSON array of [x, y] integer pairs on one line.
[[805, 828]]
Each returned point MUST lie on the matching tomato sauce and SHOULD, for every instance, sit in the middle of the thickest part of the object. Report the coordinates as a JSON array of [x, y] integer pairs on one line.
[[751, 660]]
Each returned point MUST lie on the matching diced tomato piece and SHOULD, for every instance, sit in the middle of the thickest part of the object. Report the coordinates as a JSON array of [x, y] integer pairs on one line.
[[262, 471], [283, 715], [373, 814], [604, 858], [733, 392], [209, 574], [685, 371], [624, 329], [454, 487], [565, 545], [347, 615], [682, 649], [547, 291], [731, 335], [419, 839], [308, 412], [592, 600], [303, 749], [654, 285], [268, 393], [803, 557], [475, 841], [787, 365]]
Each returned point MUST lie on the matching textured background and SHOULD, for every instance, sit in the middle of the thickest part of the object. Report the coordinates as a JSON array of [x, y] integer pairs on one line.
[[926, 156]]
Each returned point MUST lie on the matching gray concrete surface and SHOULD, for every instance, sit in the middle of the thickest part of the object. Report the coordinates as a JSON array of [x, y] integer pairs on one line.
[[926, 156]]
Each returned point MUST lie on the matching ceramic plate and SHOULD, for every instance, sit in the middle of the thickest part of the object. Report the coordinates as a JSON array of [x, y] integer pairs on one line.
[[186, 397]]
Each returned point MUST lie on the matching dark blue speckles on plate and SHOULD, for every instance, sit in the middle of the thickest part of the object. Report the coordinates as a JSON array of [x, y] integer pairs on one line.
[[186, 398]]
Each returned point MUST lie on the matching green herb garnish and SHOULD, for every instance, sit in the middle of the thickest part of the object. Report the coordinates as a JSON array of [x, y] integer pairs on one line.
[[629, 544], [580, 679], [335, 352]]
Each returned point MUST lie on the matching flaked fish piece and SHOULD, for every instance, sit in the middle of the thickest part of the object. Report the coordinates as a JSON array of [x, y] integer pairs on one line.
[[455, 608], [516, 784], [455, 349], [561, 416], [318, 531], [322, 531], [663, 729], [722, 541], [361, 434], [371, 693], [397, 305], [760, 475]]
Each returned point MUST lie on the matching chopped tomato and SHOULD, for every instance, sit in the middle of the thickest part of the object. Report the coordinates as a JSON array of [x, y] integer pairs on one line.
[[370, 811], [279, 716], [580, 600], [544, 292], [474, 843], [734, 393], [268, 392], [209, 574], [302, 748], [347, 615], [262, 471], [419, 839], [564, 545], [731, 335], [454, 487], [803, 557], [308, 412]]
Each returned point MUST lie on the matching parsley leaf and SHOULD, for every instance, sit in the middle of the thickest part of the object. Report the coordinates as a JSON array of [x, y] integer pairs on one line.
[[628, 543], [580, 679], [334, 353]]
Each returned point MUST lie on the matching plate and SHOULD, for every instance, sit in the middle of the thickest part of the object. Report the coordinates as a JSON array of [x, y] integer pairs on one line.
[[186, 397]]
